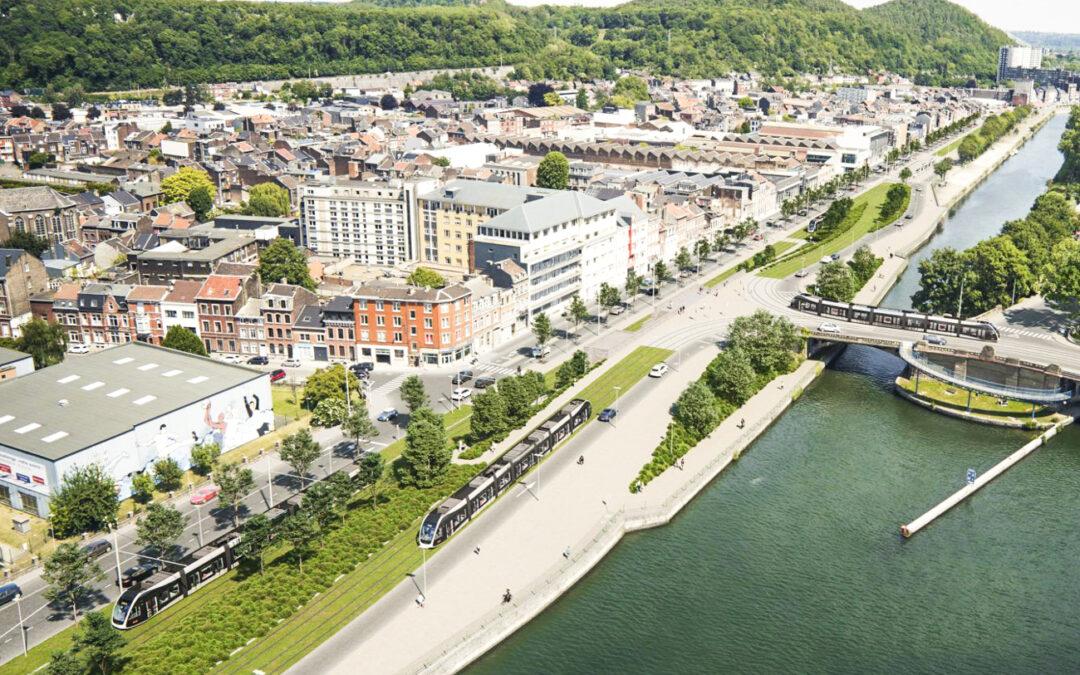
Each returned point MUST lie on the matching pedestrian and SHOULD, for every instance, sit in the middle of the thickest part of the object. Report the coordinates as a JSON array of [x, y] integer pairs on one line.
[[420, 600], [476, 550], [566, 553]]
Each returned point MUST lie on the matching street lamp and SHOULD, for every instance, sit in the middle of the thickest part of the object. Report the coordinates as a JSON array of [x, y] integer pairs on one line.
[[22, 629], [116, 553], [617, 390], [198, 523]]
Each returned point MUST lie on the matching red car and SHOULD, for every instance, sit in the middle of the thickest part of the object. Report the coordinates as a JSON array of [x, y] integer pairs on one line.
[[277, 375], [204, 494]]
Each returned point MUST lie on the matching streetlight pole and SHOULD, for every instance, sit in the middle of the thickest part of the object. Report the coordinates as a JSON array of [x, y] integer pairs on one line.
[[198, 523], [617, 390], [116, 553], [269, 483], [348, 398], [22, 629], [424, 567]]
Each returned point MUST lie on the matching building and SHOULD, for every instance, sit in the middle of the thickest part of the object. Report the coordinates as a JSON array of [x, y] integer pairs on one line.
[[14, 364], [280, 306], [192, 254], [179, 307], [219, 300], [123, 409], [1018, 56], [41, 211], [565, 241], [406, 325], [340, 321], [21, 277], [372, 223]]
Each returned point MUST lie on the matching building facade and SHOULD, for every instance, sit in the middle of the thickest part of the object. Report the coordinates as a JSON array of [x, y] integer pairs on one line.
[[406, 325]]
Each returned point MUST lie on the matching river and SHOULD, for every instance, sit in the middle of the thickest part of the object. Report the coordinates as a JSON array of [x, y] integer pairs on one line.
[[792, 559], [1006, 195]]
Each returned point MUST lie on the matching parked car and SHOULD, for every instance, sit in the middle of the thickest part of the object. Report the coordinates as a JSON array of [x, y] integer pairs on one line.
[[540, 352], [234, 359], [463, 376], [659, 370], [617, 309], [78, 348], [826, 260], [484, 382], [460, 394], [362, 367], [204, 494], [290, 363], [8, 593], [97, 548], [829, 327], [137, 573], [935, 339], [259, 361], [388, 415], [607, 414], [834, 257], [277, 375], [909, 216], [802, 273]]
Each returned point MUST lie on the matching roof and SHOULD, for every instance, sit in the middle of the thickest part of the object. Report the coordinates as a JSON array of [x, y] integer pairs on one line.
[[221, 287], [483, 193], [377, 291], [147, 294], [12, 254], [11, 356], [183, 290], [60, 410], [553, 209], [37, 198]]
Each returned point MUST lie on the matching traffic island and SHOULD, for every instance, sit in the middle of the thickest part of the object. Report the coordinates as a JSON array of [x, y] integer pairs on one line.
[[948, 399]]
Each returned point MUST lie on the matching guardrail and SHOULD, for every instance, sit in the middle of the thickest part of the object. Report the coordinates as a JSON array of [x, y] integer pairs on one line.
[[1044, 395]]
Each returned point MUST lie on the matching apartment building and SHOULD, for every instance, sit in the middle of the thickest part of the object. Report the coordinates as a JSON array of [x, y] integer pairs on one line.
[[565, 241], [145, 304], [280, 306], [500, 305], [192, 254], [450, 218], [339, 319], [219, 299], [372, 223], [103, 316], [21, 277], [179, 307], [406, 325]]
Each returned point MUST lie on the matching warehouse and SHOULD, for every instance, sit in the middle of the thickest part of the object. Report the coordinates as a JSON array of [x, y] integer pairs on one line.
[[122, 408]]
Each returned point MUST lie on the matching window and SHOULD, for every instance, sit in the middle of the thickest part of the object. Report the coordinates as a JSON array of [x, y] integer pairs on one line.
[[380, 321], [170, 313], [427, 323], [187, 314], [397, 321], [206, 326]]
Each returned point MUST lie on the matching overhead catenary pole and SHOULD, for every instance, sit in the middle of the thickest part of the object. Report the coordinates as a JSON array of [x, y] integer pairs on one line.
[[116, 552], [22, 629]]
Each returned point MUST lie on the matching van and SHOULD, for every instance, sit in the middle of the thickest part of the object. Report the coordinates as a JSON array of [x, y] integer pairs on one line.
[[8, 593]]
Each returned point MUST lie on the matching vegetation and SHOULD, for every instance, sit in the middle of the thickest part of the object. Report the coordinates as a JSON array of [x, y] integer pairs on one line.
[[541, 327], [841, 281], [282, 261], [167, 474], [235, 482], [27, 241], [329, 412], [46, 342], [179, 186], [423, 277], [85, 502], [184, 340], [993, 128], [94, 649], [426, 457], [204, 458], [467, 86], [413, 393], [300, 451], [69, 572], [760, 348], [553, 172], [896, 202], [160, 528], [329, 382]]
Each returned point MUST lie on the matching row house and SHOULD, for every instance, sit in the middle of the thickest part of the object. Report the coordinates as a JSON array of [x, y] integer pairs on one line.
[[219, 300], [145, 304], [21, 277], [309, 335], [279, 307], [406, 325], [179, 307], [340, 324], [104, 318], [500, 305]]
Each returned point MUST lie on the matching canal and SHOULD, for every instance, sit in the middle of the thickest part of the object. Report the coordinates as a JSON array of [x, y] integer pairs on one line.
[[1006, 195], [792, 559]]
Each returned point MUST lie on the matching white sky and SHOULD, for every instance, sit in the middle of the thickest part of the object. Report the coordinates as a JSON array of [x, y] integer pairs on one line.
[[1052, 16]]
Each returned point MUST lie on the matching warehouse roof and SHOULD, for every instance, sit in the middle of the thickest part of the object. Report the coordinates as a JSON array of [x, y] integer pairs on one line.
[[60, 410]]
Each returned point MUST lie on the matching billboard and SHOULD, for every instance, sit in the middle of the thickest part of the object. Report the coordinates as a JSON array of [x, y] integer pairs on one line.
[[24, 472]]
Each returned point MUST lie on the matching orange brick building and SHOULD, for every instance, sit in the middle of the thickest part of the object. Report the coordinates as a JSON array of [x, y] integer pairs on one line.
[[406, 325]]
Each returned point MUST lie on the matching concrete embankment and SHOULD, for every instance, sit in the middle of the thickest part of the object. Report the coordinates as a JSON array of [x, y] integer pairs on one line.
[[661, 500]]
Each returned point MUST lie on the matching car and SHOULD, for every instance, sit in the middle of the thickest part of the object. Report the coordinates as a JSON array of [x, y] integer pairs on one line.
[[388, 415], [78, 348], [277, 375], [137, 573], [802, 273], [829, 327], [96, 548], [290, 363], [232, 358], [617, 310], [607, 414], [659, 370], [826, 260], [462, 377], [909, 216], [758, 237], [9, 592], [834, 257], [935, 339], [460, 394], [803, 212], [204, 494], [362, 367], [258, 361], [484, 382], [539, 352]]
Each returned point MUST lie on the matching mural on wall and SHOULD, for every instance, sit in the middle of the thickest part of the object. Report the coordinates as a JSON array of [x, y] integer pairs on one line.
[[26, 473]]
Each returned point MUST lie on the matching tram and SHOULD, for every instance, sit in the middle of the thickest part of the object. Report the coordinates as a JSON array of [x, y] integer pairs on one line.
[[894, 318]]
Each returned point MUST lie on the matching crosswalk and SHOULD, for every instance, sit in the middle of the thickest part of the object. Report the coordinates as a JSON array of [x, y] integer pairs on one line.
[[391, 385], [1041, 335], [496, 370]]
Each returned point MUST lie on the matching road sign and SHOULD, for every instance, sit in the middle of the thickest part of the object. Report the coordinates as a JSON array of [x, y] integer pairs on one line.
[[970, 476]]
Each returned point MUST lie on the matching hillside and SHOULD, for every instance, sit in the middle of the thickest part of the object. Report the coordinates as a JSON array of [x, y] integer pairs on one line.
[[121, 43], [1056, 41]]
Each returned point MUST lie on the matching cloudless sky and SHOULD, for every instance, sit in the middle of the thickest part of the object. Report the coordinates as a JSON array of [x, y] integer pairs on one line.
[[1051, 16]]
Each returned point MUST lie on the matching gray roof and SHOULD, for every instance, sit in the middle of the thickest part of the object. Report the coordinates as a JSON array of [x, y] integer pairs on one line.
[[483, 193], [559, 207], [107, 393], [11, 356], [32, 199], [14, 254]]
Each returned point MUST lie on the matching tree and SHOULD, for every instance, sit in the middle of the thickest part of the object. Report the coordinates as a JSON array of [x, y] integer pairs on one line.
[[413, 393], [178, 187], [201, 202], [142, 487], [553, 171], [329, 412], [541, 327], [282, 261], [578, 311], [167, 474], [1000, 273], [943, 167], [234, 483], [85, 502], [905, 174], [536, 93], [769, 341], [940, 279], [69, 573], [519, 399], [552, 99], [372, 467], [329, 382], [300, 531], [204, 457], [581, 100], [609, 296], [426, 456], [696, 409], [160, 527], [39, 159], [660, 271], [489, 415], [834, 282], [863, 264], [441, 161], [731, 377], [358, 425], [341, 492], [702, 249], [46, 342], [269, 200], [99, 644], [971, 146], [300, 451], [37, 113], [319, 502], [629, 90], [683, 260], [184, 340], [27, 241], [61, 112], [572, 370], [256, 537], [633, 285], [388, 102], [1063, 280], [65, 663], [425, 278]]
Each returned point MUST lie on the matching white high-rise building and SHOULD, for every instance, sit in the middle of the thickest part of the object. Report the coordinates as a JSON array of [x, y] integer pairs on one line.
[[1018, 56]]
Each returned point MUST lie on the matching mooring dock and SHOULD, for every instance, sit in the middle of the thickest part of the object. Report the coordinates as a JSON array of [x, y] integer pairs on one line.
[[973, 487]]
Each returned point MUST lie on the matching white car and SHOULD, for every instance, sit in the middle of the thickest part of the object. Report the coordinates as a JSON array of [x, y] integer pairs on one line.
[[232, 358], [801, 274], [460, 394], [290, 363], [617, 309], [78, 348], [829, 327], [540, 352], [659, 370]]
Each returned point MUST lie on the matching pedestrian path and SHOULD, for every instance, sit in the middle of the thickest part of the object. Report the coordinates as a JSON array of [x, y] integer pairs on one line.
[[1040, 334], [496, 370], [390, 386]]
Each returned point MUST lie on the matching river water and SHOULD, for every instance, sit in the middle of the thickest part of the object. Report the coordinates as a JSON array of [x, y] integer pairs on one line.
[[1006, 195], [792, 560]]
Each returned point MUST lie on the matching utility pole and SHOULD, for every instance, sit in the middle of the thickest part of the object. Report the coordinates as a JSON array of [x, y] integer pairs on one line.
[[960, 302]]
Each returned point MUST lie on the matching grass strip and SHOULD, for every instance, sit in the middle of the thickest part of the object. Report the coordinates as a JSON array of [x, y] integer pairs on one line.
[[946, 149], [722, 277], [636, 326]]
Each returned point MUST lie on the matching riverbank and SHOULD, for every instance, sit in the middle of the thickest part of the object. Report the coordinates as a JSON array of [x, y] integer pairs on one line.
[[974, 407]]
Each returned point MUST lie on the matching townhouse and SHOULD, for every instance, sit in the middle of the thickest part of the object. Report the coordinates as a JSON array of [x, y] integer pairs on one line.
[[406, 325], [21, 277]]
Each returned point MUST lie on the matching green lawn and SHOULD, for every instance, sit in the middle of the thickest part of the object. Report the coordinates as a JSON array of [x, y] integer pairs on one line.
[[946, 149], [799, 234], [284, 403], [984, 404], [783, 245], [624, 374], [636, 326], [720, 278], [873, 199]]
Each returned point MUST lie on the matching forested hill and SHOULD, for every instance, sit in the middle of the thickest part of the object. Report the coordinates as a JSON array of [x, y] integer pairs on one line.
[[122, 43]]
